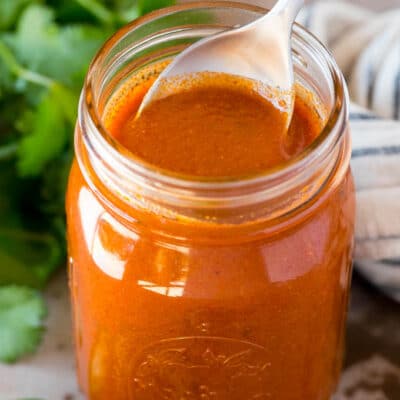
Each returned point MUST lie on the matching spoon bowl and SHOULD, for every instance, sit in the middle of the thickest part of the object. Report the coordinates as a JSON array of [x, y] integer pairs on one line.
[[259, 51]]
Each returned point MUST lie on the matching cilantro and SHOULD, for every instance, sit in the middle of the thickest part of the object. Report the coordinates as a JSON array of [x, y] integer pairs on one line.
[[41, 250], [9, 10], [45, 49], [47, 139], [22, 311], [59, 53], [29, 252]]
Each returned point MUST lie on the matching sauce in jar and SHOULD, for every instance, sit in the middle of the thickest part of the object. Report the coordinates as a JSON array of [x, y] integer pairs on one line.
[[217, 125], [189, 282]]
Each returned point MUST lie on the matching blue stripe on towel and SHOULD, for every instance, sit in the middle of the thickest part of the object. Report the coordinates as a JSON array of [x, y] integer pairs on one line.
[[395, 262], [373, 239], [363, 116], [376, 151]]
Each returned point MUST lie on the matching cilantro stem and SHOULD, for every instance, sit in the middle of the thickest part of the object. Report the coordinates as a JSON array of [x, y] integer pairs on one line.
[[98, 10], [34, 77], [8, 151], [10, 61]]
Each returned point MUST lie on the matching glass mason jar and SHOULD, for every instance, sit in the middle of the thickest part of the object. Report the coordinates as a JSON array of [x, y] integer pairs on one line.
[[189, 289]]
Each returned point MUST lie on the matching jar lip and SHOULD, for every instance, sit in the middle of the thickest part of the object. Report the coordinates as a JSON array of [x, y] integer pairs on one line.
[[326, 139]]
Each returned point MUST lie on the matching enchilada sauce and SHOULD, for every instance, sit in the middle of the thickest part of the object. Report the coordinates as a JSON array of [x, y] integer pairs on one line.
[[217, 125], [170, 317]]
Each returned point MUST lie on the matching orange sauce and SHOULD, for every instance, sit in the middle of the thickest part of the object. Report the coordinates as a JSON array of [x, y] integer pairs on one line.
[[219, 127]]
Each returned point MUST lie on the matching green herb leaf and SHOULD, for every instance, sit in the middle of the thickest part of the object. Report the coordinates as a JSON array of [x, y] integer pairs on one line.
[[60, 53], [30, 257], [9, 10], [22, 311], [30, 246], [47, 138]]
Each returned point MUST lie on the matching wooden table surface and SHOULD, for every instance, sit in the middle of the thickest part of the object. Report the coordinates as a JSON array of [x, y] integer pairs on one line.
[[372, 365]]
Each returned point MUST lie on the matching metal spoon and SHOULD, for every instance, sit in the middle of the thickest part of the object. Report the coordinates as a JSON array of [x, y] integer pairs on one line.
[[260, 51]]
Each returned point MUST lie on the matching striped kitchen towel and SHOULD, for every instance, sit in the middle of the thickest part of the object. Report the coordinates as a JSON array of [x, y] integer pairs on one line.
[[366, 46]]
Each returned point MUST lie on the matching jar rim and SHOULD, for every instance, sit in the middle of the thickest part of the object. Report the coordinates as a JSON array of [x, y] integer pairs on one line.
[[212, 191]]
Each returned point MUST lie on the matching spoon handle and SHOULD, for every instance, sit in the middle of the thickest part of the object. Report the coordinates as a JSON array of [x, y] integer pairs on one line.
[[287, 8]]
